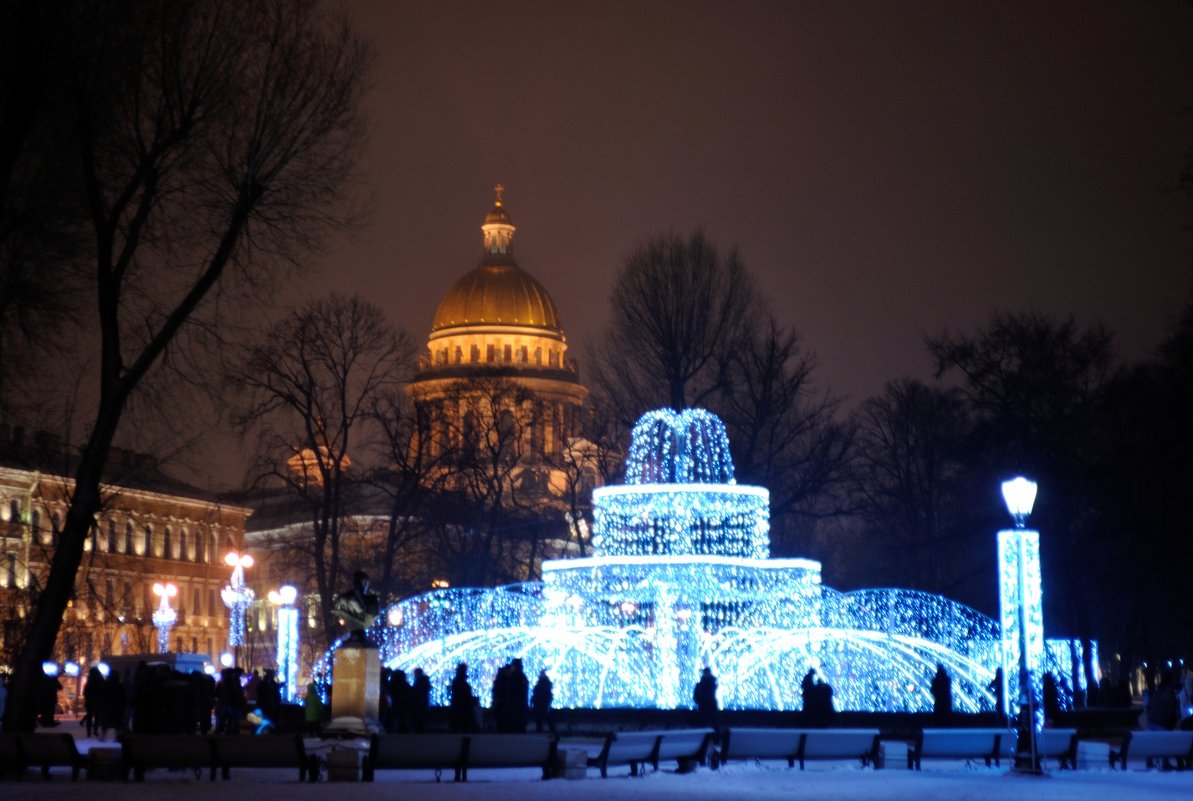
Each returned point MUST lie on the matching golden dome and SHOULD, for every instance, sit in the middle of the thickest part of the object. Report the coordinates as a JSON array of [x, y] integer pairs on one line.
[[501, 294], [498, 292]]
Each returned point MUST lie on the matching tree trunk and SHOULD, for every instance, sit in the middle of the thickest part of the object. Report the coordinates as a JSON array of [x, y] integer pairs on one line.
[[21, 712]]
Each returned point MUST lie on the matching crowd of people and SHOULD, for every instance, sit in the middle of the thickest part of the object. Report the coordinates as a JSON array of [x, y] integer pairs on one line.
[[156, 698]]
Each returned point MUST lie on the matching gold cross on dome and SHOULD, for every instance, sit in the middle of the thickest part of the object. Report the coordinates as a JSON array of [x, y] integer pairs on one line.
[[499, 189]]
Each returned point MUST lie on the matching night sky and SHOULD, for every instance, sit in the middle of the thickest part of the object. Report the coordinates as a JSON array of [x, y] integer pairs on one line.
[[886, 169]]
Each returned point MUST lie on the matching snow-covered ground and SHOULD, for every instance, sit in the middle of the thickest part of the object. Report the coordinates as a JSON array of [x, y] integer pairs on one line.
[[770, 781]]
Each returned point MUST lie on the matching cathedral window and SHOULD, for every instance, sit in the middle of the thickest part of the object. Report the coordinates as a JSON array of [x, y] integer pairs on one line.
[[491, 354], [522, 355], [475, 355], [459, 354], [508, 354], [538, 355]]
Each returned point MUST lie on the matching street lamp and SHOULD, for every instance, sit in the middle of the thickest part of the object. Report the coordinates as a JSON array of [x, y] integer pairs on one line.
[[284, 599], [1021, 612], [237, 597], [164, 617]]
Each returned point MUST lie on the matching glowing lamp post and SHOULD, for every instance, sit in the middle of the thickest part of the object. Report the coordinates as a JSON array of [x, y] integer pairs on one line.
[[237, 597], [164, 617], [283, 599], [1021, 611]]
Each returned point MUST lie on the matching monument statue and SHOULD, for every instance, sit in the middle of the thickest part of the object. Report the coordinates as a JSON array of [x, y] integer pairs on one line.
[[357, 607], [356, 674]]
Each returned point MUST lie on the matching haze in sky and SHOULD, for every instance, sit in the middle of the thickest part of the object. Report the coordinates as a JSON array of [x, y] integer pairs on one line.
[[886, 169]]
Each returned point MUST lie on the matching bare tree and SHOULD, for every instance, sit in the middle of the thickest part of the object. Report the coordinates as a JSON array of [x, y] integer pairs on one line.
[[215, 140], [909, 483], [488, 488], [312, 387], [594, 457], [679, 309], [783, 431], [407, 465]]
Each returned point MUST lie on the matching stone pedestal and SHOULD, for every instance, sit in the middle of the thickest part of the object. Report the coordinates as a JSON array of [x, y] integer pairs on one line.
[[355, 688]]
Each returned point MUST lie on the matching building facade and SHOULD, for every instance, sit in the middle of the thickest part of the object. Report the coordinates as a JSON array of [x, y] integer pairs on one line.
[[153, 529]]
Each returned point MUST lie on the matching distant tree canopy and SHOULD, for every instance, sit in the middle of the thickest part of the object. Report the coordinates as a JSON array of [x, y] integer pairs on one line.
[[1109, 446]]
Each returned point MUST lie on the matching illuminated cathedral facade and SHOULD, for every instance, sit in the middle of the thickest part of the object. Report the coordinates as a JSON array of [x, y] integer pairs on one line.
[[496, 375]]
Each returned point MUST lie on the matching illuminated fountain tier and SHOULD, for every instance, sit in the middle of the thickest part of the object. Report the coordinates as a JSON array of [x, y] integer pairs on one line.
[[680, 579]]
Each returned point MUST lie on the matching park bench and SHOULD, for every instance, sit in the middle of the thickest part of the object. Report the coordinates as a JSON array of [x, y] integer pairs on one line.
[[633, 748], [984, 744], [51, 750], [11, 760], [859, 744], [761, 744], [1151, 745], [688, 747], [174, 751], [510, 751], [637, 748], [415, 751], [1058, 744], [459, 752], [266, 751]]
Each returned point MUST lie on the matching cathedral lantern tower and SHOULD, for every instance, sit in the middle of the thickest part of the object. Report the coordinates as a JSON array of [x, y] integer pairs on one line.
[[497, 325]]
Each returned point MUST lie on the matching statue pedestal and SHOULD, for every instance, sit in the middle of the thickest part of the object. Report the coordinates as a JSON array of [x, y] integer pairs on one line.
[[355, 689]]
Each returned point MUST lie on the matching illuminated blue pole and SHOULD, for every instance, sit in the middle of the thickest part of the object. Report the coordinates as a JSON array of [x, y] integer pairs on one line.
[[287, 641], [1021, 610]]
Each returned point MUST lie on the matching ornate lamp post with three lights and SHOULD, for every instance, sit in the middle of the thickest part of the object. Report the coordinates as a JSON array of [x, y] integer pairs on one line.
[[164, 617], [237, 597]]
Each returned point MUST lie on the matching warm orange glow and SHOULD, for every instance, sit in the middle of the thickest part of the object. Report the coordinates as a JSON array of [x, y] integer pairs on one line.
[[233, 559]]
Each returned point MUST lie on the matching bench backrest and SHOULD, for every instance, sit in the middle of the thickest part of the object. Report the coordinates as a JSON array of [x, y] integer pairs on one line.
[[267, 750], [1052, 743], [684, 743], [417, 750], [49, 749], [631, 745], [509, 749], [838, 743], [167, 750], [760, 743], [958, 742], [1160, 743]]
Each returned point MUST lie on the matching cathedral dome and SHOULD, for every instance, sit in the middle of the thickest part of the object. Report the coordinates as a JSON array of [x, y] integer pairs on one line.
[[496, 294], [498, 291]]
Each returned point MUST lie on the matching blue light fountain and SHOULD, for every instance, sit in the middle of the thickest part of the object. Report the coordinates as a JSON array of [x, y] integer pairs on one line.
[[681, 578]]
